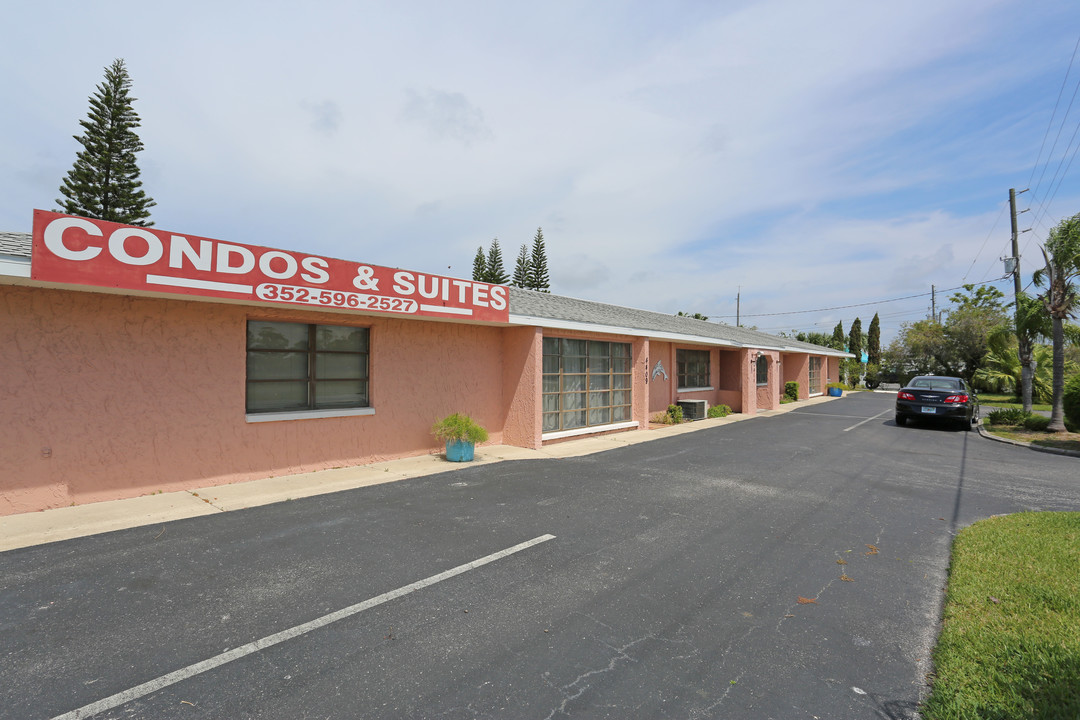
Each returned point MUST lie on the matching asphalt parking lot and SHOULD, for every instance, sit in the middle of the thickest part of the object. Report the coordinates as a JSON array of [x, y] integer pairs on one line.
[[781, 567]]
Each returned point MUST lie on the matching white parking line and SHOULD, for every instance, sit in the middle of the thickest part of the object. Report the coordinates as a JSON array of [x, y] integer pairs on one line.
[[867, 420], [270, 640]]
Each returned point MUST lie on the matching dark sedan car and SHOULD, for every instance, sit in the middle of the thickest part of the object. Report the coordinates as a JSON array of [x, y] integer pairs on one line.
[[937, 398]]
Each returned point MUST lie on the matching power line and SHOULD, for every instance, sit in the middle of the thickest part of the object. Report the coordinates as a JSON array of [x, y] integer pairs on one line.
[[841, 307], [1050, 124]]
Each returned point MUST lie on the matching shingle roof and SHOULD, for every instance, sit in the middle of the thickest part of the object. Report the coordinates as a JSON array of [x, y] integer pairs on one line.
[[15, 244], [545, 306]]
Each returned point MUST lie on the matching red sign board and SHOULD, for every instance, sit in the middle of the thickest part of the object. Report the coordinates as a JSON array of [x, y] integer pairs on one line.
[[81, 251]]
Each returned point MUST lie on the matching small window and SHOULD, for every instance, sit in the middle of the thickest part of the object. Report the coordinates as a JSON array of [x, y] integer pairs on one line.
[[763, 370], [296, 366], [692, 368]]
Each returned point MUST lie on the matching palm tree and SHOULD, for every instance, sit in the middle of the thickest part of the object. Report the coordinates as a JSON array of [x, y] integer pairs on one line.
[[1062, 256], [1032, 323], [1003, 371]]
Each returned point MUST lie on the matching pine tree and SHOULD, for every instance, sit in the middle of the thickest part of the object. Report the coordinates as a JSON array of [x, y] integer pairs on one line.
[[522, 269], [855, 340], [538, 270], [836, 342], [496, 273], [873, 342], [479, 266], [104, 182]]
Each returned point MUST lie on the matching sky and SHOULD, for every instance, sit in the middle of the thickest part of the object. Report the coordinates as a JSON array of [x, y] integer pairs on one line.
[[799, 156]]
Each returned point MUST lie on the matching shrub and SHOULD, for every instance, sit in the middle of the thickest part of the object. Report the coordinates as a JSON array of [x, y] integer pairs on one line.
[[1072, 400], [674, 413], [791, 391], [1007, 416], [459, 427], [1036, 422], [719, 411], [838, 386]]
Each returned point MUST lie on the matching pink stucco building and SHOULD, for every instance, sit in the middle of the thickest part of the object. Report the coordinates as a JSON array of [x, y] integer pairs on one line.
[[132, 361]]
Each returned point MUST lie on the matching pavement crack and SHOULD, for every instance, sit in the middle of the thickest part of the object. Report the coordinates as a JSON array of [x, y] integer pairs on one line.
[[572, 691]]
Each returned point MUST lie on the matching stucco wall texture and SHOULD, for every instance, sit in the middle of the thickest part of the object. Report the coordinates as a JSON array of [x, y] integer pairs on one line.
[[108, 396], [104, 396]]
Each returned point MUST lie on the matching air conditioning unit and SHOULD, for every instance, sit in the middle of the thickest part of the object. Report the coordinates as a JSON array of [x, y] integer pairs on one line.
[[693, 409]]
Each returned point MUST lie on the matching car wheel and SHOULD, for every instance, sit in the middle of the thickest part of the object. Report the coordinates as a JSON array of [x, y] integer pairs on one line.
[[901, 420]]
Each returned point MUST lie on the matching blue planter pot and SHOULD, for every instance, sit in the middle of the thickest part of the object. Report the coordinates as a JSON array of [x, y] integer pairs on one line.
[[459, 450], [835, 392]]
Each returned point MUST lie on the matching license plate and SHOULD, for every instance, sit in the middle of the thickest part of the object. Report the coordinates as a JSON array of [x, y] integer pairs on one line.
[[929, 410]]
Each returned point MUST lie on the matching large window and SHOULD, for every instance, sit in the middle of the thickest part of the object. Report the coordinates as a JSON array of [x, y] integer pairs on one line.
[[692, 368], [815, 375], [586, 382], [295, 366]]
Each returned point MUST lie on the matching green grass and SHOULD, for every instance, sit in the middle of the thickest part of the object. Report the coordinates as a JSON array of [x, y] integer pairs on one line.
[[1010, 641], [1008, 401]]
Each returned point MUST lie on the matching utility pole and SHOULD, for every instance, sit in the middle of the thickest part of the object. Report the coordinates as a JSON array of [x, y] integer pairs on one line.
[[933, 303], [1024, 344], [738, 297]]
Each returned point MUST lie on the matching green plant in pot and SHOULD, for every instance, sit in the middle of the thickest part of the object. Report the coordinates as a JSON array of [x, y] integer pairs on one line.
[[460, 433]]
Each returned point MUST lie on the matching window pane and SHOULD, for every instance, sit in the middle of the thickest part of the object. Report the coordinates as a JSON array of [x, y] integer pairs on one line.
[[599, 399], [620, 397], [341, 393], [600, 416], [573, 347], [573, 401], [573, 364], [573, 383], [598, 349], [551, 403], [573, 420], [599, 382], [621, 381], [341, 339], [620, 365], [551, 383], [289, 395], [621, 414], [621, 350], [551, 346], [340, 366], [262, 335], [599, 365], [277, 366], [551, 363], [551, 422], [762, 371]]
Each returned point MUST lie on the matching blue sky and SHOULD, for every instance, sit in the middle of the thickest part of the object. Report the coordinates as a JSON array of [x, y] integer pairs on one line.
[[805, 155]]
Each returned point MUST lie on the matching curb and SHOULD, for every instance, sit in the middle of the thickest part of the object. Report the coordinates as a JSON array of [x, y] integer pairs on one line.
[[1031, 446]]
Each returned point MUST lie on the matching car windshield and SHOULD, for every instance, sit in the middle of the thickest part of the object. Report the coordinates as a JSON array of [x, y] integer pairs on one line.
[[936, 384]]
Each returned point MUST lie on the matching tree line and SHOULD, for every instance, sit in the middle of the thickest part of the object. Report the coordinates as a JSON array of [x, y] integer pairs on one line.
[[1026, 347], [530, 271]]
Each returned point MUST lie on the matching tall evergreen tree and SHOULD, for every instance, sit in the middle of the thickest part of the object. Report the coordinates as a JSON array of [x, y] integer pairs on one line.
[[104, 182], [479, 266], [837, 341], [521, 269], [855, 340], [538, 271], [496, 273], [873, 342]]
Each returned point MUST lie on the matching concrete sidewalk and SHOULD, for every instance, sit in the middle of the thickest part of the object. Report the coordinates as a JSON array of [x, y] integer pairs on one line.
[[36, 528]]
